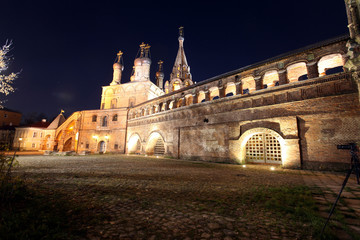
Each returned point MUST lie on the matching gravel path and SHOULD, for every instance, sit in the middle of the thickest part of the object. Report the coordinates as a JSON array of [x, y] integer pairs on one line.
[[155, 198]]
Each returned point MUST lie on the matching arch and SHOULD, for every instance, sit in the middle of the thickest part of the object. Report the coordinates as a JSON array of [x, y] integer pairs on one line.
[[188, 82], [94, 118], [142, 112], [67, 145], [167, 87], [171, 104], [269, 133], [248, 84], [189, 99], [155, 144], [134, 144], [102, 147], [201, 96], [120, 91], [270, 78], [230, 89], [129, 89], [163, 106], [328, 62], [176, 85], [214, 92], [179, 103], [296, 71], [140, 87], [113, 103], [109, 91]]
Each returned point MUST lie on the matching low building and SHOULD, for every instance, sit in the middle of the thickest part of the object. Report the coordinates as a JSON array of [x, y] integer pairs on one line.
[[38, 136]]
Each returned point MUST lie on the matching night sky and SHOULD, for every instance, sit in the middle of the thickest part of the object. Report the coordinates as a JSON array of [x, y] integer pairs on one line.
[[65, 51]]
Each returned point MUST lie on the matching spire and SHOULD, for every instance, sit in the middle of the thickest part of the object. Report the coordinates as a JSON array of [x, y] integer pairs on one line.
[[181, 68], [160, 75]]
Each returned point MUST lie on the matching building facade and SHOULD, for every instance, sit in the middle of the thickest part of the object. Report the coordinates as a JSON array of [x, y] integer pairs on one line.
[[290, 110]]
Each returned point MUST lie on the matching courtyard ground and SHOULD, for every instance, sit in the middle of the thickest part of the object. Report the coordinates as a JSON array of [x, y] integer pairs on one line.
[[135, 197]]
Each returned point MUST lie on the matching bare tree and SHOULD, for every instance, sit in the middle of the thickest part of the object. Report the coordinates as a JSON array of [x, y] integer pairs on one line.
[[6, 80]]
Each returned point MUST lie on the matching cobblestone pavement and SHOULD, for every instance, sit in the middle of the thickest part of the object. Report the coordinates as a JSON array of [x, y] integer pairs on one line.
[[348, 205], [155, 198]]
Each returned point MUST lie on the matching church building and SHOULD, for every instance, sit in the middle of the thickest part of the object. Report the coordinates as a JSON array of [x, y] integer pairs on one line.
[[291, 110]]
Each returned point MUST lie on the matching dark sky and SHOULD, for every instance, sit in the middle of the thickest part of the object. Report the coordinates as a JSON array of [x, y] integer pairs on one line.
[[66, 50]]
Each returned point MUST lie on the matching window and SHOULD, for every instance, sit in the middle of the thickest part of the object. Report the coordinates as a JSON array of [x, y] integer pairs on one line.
[[277, 83], [34, 134], [216, 97], [104, 122], [5, 115], [33, 145], [113, 103], [94, 118], [115, 118], [41, 135], [246, 91], [87, 145], [102, 105], [265, 86], [229, 94], [116, 146]]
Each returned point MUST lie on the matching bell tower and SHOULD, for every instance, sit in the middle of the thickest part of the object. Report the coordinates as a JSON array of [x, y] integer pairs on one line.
[[118, 68], [180, 76]]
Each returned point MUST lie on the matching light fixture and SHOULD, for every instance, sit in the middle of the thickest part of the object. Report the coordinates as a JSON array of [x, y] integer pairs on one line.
[[107, 137], [20, 139], [272, 168], [244, 166]]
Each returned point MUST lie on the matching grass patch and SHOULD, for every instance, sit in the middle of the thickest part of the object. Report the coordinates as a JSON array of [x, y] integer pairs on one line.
[[296, 203]]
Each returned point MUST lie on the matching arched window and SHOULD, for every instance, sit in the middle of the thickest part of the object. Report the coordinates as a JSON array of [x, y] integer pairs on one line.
[[115, 118], [104, 122], [296, 72], [249, 84], [201, 96], [230, 89], [214, 92], [330, 64], [94, 118], [176, 85], [270, 78]]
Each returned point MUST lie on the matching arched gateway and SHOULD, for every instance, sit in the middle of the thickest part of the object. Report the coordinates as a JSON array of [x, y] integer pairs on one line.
[[261, 145]]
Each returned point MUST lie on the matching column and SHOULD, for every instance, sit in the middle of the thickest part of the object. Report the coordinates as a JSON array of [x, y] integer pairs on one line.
[[222, 91], [283, 77], [239, 88], [258, 82], [312, 70], [207, 95]]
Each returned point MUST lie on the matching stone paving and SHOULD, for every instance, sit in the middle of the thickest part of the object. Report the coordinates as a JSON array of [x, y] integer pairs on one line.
[[155, 198], [348, 205]]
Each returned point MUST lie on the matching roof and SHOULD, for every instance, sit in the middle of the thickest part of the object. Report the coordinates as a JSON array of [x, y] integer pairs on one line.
[[40, 124], [60, 119]]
